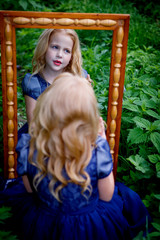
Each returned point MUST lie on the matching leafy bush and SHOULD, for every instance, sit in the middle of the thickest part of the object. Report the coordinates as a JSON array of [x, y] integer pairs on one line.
[[139, 152], [5, 214]]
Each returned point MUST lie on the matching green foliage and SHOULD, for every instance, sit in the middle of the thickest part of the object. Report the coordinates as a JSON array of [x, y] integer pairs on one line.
[[7, 236], [27, 40], [148, 8], [5, 214], [141, 127], [140, 235], [96, 60], [139, 151], [27, 5]]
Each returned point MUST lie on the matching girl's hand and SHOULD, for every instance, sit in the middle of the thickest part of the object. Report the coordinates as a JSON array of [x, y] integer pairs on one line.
[[101, 131], [89, 79]]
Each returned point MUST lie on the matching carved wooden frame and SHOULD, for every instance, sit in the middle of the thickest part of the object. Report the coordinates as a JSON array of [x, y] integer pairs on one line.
[[10, 20]]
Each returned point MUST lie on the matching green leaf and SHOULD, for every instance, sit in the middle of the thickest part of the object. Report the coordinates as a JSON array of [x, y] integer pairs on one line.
[[35, 4], [142, 123], [156, 226], [139, 236], [136, 175], [151, 104], [158, 174], [156, 124], [140, 163], [4, 213], [23, 4], [127, 119], [152, 114], [131, 107], [150, 91], [7, 236], [137, 136], [154, 234], [158, 167], [157, 196], [155, 138], [154, 158], [143, 152], [137, 102]]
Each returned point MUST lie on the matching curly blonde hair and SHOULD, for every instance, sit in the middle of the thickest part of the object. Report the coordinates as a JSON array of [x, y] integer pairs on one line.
[[38, 61], [63, 129]]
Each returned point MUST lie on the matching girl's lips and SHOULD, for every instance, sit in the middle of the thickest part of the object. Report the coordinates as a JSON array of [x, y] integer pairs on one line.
[[57, 63]]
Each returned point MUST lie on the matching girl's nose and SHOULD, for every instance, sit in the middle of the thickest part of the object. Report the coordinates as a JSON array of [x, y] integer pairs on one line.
[[59, 53]]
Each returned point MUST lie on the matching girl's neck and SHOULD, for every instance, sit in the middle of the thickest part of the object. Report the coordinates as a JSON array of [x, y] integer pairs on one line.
[[49, 76]]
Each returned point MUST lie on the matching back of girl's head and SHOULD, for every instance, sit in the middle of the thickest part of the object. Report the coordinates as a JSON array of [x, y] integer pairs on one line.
[[38, 61], [69, 98], [65, 125]]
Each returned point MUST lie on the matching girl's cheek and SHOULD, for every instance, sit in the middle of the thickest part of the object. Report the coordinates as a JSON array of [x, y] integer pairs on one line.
[[69, 58], [49, 56]]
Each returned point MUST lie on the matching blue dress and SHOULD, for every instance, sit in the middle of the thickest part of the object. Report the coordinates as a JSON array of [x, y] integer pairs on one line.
[[33, 86], [39, 215]]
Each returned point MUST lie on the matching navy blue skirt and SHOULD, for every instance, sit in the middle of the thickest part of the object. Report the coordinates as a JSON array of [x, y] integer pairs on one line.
[[121, 218]]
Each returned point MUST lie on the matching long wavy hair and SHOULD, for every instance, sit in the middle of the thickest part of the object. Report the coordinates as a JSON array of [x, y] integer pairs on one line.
[[63, 130], [38, 61]]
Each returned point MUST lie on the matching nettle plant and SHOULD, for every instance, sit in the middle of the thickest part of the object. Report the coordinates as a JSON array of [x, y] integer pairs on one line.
[[139, 152], [141, 113], [139, 158], [96, 52]]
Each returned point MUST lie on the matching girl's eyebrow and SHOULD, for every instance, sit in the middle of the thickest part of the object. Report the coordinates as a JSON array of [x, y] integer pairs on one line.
[[68, 48], [55, 43]]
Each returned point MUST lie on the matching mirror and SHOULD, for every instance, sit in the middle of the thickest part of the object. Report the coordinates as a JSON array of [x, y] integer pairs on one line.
[[96, 53], [95, 24]]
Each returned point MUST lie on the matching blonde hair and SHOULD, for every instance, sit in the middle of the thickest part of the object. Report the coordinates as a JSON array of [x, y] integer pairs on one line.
[[63, 130], [38, 61]]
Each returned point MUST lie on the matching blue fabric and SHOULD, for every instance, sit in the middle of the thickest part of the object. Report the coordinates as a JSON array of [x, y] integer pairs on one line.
[[39, 215], [84, 73], [104, 158], [33, 85]]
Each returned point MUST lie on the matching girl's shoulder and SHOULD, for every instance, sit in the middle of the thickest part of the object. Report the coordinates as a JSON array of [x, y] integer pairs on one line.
[[104, 158], [30, 81], [102, 144], [31, 85]]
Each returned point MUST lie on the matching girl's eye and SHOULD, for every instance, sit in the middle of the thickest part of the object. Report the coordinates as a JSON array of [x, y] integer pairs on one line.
[[54, 47], [67, 51]]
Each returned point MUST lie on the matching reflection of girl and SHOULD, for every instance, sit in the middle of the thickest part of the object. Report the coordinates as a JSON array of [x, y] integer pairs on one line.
[[57, 51], [69, 179]]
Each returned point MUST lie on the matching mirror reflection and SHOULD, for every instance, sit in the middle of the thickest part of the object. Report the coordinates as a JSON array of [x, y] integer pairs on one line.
[[96, 55]]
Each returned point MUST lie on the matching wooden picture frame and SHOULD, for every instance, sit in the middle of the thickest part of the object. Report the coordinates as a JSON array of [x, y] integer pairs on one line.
[[10, 20]]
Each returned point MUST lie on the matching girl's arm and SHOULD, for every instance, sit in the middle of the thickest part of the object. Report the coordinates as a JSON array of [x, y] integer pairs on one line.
[[106, 187], [26, 183], [30, 105], [101, 130]]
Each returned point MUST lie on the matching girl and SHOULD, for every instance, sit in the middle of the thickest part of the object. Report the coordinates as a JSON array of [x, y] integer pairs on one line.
[[57, 51], [67, 172]]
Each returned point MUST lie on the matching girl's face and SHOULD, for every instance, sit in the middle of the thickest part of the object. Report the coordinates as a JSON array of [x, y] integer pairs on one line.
[[59, 52]]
